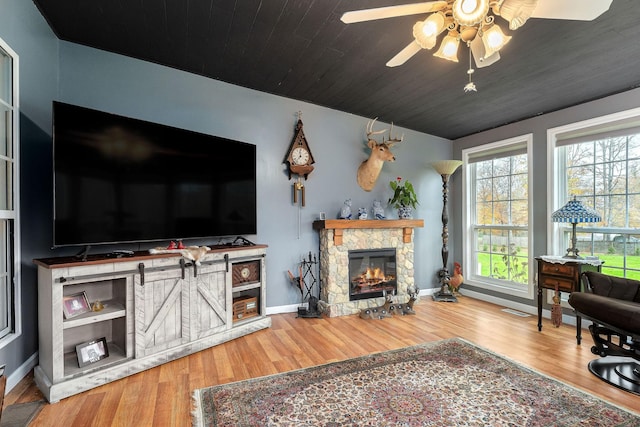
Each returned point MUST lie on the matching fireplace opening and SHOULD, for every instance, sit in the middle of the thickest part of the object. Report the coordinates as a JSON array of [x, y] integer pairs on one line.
[[372, 272]]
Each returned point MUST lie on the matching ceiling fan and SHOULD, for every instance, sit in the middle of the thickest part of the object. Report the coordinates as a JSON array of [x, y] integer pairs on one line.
[[473, 23]]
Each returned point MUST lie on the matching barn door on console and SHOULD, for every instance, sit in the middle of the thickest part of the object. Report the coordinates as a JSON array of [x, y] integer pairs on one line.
[[162, 307], [208, 296]]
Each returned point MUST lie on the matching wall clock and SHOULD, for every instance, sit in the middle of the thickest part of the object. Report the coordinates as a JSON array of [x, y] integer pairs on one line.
[[299, 160]]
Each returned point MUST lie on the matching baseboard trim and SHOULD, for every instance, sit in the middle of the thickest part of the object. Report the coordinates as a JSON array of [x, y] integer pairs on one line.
[[293, 308], [530, 309], [22, 371]]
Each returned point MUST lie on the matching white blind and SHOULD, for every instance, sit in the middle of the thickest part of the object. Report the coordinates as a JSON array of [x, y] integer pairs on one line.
[[498, 153], [628, 126]]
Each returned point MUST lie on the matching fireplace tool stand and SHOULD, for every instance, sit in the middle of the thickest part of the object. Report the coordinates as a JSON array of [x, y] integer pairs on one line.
[[306, 283]]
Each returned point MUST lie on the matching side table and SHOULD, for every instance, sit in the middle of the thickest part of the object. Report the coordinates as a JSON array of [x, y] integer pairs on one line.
[[555, 272]]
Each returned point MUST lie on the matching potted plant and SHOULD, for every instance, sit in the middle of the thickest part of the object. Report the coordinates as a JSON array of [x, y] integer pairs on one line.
[[404, 197]]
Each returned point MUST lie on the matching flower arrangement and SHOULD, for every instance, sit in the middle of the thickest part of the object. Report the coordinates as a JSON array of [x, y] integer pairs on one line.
[[403, 194]]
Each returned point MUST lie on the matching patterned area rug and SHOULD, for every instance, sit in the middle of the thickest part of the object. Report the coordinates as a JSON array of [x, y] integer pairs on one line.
[[444, 383]]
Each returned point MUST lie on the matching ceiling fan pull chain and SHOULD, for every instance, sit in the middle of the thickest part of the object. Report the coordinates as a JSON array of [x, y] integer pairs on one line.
[[471, 86]]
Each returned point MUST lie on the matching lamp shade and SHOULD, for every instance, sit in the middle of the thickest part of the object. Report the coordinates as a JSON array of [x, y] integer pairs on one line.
[[575, 212], [494, 40], [446, 167], [449, 47], [469, 12]]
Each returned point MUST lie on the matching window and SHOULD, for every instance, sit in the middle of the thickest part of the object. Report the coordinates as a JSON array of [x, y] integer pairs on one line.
[[598, 162], [496, 218], [9, 229]]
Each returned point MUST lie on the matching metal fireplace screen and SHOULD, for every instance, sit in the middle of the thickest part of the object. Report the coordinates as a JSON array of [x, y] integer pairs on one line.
[[371, 272]]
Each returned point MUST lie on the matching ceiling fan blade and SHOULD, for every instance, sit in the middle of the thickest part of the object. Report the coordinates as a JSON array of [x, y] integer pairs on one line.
[[478, 51], [578, 10], [406, 53], [392, 11]]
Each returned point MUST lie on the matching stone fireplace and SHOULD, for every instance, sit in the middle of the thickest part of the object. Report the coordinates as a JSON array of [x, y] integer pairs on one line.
[[340, 237]]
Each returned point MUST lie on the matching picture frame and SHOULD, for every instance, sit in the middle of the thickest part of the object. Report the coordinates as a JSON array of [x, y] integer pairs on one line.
[[92, 351], [75, 305]]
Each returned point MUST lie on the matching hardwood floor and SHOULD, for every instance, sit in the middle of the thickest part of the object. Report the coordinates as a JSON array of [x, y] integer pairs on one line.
[[162, 395]]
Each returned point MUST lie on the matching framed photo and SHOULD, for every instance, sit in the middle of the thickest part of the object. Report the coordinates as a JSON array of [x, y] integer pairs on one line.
[[75, 305], [92, 351]]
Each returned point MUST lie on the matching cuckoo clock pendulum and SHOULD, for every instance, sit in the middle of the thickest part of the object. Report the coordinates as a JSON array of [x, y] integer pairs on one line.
[[299, 161]]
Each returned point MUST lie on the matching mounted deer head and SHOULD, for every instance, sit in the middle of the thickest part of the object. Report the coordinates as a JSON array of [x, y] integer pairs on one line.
[[369, 170]]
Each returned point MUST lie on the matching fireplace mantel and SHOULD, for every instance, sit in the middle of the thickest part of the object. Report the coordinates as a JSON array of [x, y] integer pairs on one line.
[[338, 225]]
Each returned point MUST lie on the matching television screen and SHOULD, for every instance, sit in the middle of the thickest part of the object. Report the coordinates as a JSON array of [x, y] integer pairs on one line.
[[118, 179]]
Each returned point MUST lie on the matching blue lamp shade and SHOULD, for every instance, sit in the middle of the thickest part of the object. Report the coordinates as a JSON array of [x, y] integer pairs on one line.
[[575, 212]]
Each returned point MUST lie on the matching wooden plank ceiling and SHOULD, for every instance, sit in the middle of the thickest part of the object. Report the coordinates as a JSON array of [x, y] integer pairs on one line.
[[301, 50]]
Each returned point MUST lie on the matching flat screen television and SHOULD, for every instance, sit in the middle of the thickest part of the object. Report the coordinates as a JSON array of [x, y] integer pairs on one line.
[[124, 180]]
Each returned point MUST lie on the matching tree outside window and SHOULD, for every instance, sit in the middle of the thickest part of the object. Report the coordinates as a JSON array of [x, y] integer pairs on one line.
[[604, 173]]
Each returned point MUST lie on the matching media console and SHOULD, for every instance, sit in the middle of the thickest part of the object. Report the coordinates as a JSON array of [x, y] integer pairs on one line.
[[156, 308]]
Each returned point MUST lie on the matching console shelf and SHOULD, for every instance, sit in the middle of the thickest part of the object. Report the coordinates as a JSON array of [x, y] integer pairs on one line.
[[112, 310], [71, 368], [157, 308], [246, 287]]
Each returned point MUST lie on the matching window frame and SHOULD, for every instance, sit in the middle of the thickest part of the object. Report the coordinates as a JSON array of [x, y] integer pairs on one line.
[[557, 185], [513, 144], [13, 188]]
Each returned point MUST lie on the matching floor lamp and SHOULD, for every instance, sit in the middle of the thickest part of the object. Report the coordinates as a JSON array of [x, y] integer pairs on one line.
[[445, 168]]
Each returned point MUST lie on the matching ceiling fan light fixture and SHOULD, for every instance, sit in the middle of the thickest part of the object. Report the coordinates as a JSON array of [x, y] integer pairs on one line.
[[449, 47], [493, 40], [473, 22], [423, 41], [426, 32], [469, 12], [433, 25]]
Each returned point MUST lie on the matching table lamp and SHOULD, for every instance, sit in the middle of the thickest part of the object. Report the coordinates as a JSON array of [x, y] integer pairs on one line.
[[575, 212]]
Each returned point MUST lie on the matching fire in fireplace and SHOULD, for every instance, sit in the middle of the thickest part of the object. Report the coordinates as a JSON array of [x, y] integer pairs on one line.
[[372, 272]]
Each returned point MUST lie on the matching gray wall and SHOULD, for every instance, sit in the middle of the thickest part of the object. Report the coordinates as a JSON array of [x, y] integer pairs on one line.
[[26, 32], [126, 86], [538, 127], [56, 70]]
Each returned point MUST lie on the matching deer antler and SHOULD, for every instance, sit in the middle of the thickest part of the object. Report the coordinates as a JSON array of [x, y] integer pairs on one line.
[[394, 140], [370, 130]]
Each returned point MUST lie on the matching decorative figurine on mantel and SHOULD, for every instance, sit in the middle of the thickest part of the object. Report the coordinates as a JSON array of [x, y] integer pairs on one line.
[[345, 212], [362, 213], [378, 210]]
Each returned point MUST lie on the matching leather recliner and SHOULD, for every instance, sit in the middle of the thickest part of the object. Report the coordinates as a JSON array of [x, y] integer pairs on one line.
[[613, 306]]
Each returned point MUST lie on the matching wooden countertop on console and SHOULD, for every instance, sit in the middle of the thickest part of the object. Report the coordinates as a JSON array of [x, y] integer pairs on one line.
[[72, 261]]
